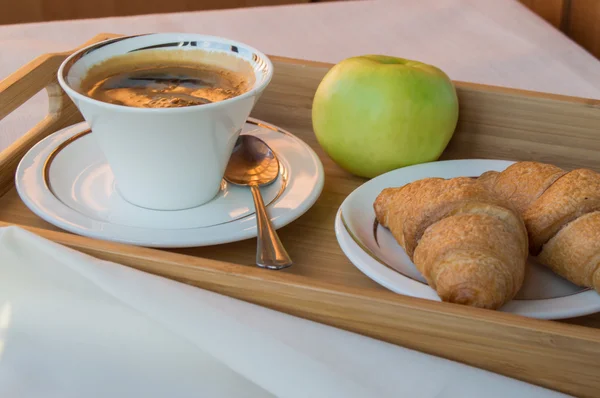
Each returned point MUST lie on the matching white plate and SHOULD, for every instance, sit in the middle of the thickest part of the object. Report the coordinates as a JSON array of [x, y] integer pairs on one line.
[[65, 180], [373, 249]]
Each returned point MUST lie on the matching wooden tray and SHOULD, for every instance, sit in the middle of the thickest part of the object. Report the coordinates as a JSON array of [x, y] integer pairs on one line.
[[323, 285]]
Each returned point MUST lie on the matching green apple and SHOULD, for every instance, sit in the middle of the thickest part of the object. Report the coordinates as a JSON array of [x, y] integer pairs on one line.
[[376, 113]]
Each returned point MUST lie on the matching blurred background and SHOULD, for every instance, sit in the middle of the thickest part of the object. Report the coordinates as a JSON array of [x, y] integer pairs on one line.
[[575, 18]]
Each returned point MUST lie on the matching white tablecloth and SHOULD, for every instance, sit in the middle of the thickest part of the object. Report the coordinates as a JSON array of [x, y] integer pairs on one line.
[[496, 42]]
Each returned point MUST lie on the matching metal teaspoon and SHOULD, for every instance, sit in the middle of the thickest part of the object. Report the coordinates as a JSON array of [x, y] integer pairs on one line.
[[254, 164]]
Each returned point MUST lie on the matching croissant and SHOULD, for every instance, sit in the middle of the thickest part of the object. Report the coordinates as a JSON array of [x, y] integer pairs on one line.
[[470, 245], [561, 211]]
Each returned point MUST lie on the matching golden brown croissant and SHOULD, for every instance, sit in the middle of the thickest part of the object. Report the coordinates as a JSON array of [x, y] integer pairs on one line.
[[561, 211], [470, 246]]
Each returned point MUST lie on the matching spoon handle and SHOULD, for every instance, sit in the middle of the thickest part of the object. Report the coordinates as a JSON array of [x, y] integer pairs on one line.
[[270, 253]]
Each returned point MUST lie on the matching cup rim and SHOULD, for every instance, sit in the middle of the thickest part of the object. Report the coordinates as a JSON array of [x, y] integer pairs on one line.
[[76, 94]]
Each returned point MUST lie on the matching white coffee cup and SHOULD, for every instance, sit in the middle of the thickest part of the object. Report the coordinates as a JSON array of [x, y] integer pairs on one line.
[[167, 158]]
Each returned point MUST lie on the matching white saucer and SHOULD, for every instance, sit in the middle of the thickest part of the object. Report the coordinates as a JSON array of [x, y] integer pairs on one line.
[[373, 249], [65, 180]]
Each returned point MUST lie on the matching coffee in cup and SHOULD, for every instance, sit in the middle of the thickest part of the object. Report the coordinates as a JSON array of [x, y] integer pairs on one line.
[[163, 79]]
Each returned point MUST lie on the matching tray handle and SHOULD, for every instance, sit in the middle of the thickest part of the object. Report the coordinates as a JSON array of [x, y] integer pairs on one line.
[[23, 84]]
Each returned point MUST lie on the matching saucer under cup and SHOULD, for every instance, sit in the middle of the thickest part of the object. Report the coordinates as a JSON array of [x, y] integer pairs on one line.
[[66, 180]]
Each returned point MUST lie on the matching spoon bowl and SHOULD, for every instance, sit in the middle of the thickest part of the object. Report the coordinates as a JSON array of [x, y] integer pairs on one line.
[[252, 162]]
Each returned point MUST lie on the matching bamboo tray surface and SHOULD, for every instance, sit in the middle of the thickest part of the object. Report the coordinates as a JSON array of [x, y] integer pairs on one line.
[[323, 285]]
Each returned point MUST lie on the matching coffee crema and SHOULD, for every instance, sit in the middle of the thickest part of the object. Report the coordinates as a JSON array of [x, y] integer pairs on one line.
[[165, 79]]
